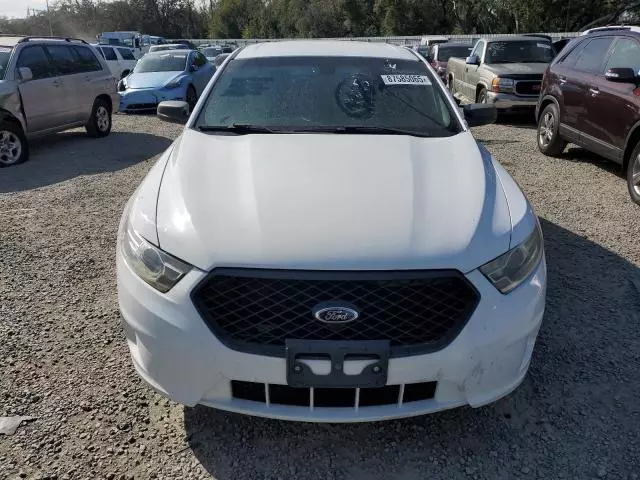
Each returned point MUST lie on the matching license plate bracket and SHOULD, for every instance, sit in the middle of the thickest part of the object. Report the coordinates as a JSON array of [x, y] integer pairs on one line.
[[373, 374]]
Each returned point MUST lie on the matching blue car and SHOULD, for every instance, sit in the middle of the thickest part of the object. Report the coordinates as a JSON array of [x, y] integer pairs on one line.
[[169, 75]]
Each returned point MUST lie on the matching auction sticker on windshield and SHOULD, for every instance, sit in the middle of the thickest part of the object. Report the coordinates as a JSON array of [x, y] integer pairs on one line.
[[406, 80]]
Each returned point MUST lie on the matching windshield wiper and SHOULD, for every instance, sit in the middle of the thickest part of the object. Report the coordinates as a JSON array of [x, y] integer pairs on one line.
[[361, 129], [238, 128]]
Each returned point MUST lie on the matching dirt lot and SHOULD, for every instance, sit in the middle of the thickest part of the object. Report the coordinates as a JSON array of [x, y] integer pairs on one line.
[[64, 361]]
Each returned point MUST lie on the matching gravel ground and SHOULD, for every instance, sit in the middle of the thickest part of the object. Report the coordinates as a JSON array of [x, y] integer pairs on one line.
[[63, 357]]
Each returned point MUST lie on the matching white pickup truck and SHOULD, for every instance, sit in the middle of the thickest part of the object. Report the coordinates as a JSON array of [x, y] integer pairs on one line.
[[504, 71]]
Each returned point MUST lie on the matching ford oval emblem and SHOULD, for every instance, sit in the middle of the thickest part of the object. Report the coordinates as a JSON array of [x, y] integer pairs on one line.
[[335, 313]]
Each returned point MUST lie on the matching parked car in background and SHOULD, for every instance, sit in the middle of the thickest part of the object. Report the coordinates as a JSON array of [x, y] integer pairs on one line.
[[228, 49], [421, 49], [131, 39], [153, 40], [558, 45], [185, 43], [219, 60], [211, 52], [590, 97], [440, 53], [119, 59], [48, 85], [158, 76], [165, 47], [429, 40], [504, 71]]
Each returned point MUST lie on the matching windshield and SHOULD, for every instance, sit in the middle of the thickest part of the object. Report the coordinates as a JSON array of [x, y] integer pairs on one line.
[[163, 62], [5, 53], [298, 94], [210, 52], [534, 51], [446, 52]]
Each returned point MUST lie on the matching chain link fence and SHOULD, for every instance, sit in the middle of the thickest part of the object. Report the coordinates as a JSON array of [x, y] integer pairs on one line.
[[408, 40]]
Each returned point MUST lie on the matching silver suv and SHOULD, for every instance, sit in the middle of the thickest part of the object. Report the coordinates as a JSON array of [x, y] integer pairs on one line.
[[48, 85]]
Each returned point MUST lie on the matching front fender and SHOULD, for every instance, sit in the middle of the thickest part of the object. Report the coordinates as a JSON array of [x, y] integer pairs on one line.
[[11, 108]]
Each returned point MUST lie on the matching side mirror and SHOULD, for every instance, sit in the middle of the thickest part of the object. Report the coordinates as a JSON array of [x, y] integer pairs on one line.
[[173, 111], [473, 60], [25, 73], [622, 75], [477, 114]]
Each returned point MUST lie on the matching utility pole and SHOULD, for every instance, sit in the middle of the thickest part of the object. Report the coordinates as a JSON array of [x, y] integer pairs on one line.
[[49, 17]]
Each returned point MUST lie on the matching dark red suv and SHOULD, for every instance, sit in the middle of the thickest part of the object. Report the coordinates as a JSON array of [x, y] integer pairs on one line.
[[591, 97]]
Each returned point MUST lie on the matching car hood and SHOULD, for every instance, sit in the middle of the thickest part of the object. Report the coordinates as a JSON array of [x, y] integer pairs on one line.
[[151, 79], [313, 201], [518, 68]]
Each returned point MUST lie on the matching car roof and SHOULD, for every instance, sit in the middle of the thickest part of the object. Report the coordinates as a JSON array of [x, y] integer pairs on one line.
[[516, 38], [454, 44], [325, 48], [13, 40], [170, 52], [10, 41], [612, 29]]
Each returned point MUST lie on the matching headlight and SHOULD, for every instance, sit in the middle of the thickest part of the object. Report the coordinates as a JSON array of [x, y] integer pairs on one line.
[[512, 268], [174, 84], [503, 85], [157, 268]]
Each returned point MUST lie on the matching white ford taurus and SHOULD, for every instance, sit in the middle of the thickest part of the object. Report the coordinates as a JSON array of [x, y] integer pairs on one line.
[[326, 241]]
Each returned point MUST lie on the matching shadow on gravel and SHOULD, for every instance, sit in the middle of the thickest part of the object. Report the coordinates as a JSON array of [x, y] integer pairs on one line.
[[67, 155], [580, 155], [581, 385], [526, 121]]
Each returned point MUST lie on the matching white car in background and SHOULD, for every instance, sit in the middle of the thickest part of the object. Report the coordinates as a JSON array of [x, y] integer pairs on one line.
[[326, 241], [119, 59]]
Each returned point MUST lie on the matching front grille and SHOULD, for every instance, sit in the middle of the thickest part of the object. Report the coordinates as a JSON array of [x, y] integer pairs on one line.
[[257, 310], [272, 394], [528, 87]]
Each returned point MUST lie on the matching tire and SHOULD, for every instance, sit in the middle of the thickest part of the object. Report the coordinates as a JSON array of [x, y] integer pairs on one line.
[[192, 98], [549, 140], [99, 124], [482, 96], [633, 175], [14, 148]]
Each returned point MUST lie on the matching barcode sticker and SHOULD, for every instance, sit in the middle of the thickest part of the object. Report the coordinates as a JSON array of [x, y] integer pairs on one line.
[[406, 80]]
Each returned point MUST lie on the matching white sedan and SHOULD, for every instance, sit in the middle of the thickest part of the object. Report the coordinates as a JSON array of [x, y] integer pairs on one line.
[[326, 241]]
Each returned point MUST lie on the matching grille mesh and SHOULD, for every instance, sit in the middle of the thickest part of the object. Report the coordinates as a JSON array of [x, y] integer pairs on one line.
[[528, 87], [257, 310]]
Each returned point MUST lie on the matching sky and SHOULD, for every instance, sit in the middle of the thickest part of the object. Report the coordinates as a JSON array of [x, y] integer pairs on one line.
[[18, 8]]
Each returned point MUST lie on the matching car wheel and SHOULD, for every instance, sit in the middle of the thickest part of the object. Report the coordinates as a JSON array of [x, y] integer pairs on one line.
[[192, 98], [13, 145], [633, 175], [99, 124], [482, 96], [549, 140]]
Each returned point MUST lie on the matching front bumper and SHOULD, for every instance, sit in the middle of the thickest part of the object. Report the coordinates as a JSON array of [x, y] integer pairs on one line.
[[145, 100], [177, 355], [511, 102]]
